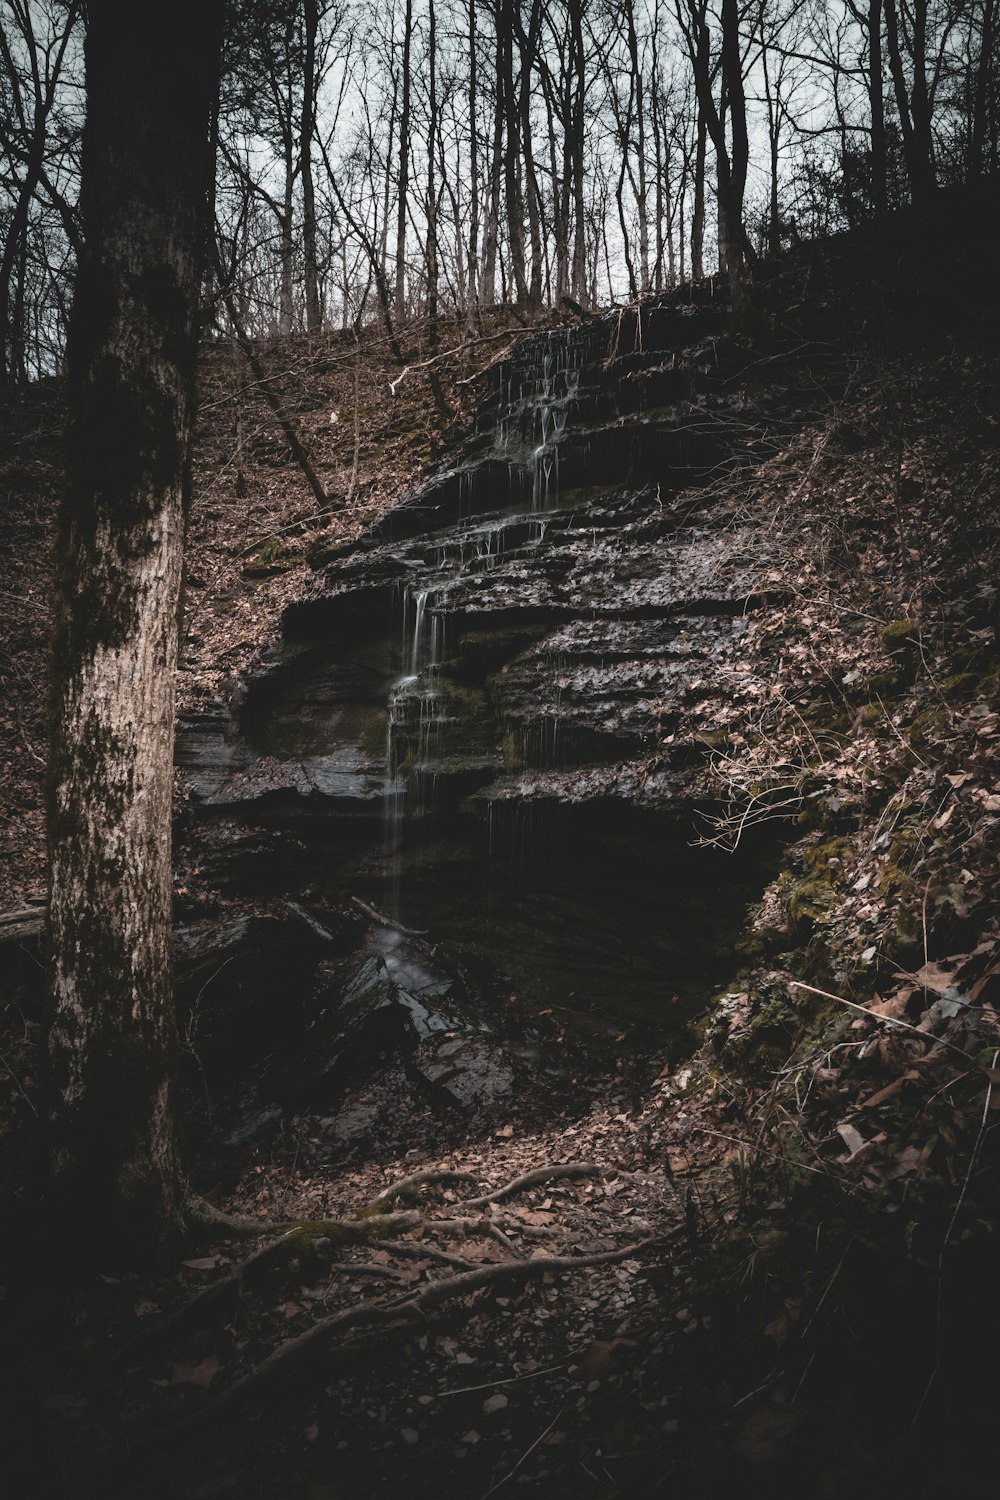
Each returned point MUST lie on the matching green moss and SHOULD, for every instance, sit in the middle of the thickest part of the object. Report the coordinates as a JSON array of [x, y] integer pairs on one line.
[[272, 556], [513, 750], [884, 684], [813, 898], [959, 686], [830, 854], [899, 635], [713, 739], [895, 879], [761, 943], [928, 727]]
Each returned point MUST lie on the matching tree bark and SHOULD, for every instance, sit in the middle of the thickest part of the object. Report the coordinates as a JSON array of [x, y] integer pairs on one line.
[[310, 258], [114, 1155], [404, 166], [512, 151], [472, 266]]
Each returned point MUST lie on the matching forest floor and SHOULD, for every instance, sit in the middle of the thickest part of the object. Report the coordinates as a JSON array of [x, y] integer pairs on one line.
[[771, 1266]]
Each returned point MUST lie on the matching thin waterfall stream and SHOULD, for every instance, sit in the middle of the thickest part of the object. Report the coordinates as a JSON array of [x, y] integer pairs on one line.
[[463, 723]]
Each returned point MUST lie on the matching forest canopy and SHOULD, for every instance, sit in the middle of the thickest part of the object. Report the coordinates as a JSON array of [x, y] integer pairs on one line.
[[451, 154]]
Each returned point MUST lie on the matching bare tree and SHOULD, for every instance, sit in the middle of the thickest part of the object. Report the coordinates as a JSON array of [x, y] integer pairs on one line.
[[111, 1033], [38, 137]]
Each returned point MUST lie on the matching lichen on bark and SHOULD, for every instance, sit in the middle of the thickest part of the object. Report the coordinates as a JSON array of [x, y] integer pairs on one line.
[[114, 1147]]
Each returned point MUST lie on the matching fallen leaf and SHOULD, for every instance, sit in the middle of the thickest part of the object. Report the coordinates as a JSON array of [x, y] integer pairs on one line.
[[893, 1005], [935, 977], [203, 1263], [200, 1375], [495, 1403], [852, 1139]]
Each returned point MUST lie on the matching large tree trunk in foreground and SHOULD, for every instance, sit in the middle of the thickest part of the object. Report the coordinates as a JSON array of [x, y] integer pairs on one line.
[[111, 1031]]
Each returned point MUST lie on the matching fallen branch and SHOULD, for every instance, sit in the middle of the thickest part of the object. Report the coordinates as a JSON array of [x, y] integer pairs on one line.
[[384, 921], [25, 924]]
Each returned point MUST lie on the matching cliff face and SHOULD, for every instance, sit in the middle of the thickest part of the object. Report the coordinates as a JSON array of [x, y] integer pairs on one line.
[[475, 696]]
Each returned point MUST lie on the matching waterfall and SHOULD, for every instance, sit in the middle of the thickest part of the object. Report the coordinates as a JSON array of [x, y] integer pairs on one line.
[[535, 402]]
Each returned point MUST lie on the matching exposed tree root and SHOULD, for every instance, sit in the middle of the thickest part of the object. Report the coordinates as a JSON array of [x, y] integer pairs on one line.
[[200, 1213], [320, 1242], [532, 1179], [412, 1305], [407, 1188], [317, 1235]]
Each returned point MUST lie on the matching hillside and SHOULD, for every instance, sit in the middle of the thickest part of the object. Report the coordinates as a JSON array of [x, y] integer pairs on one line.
[[785, 1202]]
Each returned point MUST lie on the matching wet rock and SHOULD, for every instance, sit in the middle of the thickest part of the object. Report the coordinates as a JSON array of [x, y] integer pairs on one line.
[[362, 1023], [208, 748], [235, 857], [474, 1069], [514, 648]]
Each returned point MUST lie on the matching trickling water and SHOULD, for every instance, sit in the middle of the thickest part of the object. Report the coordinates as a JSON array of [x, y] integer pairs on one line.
[[578, 897], [530, 426], [417, 647]]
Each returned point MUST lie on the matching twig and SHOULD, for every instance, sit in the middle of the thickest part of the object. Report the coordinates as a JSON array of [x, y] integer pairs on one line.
[[489, 1385], [526, 1454], [489, 338], [927, 1036], [793, 1166]]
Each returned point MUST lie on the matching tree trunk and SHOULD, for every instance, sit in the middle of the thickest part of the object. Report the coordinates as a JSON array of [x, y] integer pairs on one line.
[[512, 151], [314, 309], [698, 213], [491, 232], [578, 68], [404, 165], [913, 103], [472, 264], [876, 99], [114, 1155]]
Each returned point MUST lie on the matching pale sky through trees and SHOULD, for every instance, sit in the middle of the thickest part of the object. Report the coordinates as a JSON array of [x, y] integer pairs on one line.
[[570, 144]]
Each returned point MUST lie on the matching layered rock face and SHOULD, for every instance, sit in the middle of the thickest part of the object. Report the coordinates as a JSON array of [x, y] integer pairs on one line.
[[473, 700]]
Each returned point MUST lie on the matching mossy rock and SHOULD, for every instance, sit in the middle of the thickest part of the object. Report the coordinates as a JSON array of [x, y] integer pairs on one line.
[[928, 727], [819, 857], [375, 735], [959, 687], [810, 904], [885, 684], [712, 739], [899, 636], [272, 557]]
